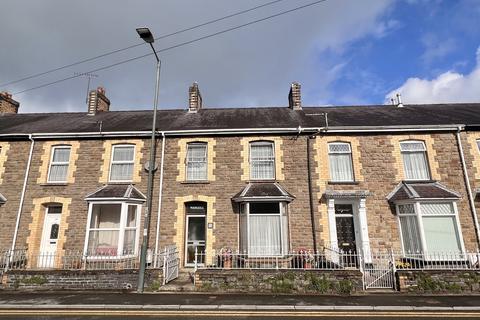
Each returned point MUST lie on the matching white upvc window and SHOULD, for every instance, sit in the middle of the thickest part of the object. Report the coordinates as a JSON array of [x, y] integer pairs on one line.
[[122, 163], [196, 162], [415, 161], [264, 229], [262, 160], [59, 162], [340, 162], [112, 229], [430, 228]]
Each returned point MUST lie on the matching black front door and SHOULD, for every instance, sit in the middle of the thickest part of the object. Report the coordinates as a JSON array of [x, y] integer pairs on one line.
[[345, 227]]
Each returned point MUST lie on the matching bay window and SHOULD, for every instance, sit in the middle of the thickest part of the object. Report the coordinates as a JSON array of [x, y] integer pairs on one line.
[[264, 228], [430, 228], [340, 162], [112, 229], [122, 163], [196, 162], [415, 162], [262, 160], [59, 162]]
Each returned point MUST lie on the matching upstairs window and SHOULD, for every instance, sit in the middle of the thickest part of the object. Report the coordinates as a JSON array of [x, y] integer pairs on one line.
[[262, 161], [340, 160], [123, 158], [196, 162], [59, 162], [415, 163]]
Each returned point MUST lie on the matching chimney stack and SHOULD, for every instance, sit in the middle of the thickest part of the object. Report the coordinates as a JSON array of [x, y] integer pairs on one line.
[[7, 104], [97, 101], [294, 97], [194, 98]]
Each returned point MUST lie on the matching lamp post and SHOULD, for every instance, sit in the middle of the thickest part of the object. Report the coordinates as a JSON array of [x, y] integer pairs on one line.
[[147, 36]]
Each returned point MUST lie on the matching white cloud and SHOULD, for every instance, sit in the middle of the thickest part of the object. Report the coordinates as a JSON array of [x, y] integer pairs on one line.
[[450, 86]]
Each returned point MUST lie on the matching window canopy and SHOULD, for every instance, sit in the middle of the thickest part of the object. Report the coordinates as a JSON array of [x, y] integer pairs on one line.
[[263, 191], [119, 192], [421, 191]]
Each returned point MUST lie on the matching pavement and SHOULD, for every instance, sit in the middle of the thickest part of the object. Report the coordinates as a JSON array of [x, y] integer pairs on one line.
[[95, 300]]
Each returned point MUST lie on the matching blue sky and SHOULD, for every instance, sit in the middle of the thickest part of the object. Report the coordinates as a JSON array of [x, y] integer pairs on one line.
[[421, 39], [343, 52]]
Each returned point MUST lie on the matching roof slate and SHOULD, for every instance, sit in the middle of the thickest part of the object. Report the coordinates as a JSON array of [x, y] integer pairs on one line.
[[2, 199], [241, 118], [124, 191], [421, 190], [262, 189]]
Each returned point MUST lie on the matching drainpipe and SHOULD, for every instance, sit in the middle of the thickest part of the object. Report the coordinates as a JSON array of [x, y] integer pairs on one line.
[[160, 193], [22, 196], [469, 189], [310, 194]]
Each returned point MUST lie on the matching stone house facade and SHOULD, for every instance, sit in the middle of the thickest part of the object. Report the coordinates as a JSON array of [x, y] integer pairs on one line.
[[265, 181]]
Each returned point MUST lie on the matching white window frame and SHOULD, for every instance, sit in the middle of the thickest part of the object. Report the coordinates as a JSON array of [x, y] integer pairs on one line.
[[284, 243], [352, 173], [132, 162], [427, 163], [59, 163], [423, 243], [205, 145], [123, 227], [273, 160]]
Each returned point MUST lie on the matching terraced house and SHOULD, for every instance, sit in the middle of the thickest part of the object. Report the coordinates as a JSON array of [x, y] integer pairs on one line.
[[262, 181]]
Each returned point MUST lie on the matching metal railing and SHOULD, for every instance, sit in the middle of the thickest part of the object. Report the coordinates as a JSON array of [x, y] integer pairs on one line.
[[21, 259]]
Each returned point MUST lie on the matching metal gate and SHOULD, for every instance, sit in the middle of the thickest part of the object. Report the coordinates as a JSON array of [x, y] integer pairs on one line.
[[379, 272], [171, 264]]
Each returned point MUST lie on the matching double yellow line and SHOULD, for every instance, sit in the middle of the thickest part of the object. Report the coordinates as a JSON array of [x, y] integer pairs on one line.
[[230, 314]]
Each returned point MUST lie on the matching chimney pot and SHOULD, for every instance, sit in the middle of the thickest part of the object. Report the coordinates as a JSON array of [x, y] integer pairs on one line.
[[194, 98], [98, 101], [8, 104], [294, 96]]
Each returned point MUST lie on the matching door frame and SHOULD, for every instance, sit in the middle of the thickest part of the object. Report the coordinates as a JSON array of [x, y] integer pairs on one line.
[[41, 260], [185, 254]]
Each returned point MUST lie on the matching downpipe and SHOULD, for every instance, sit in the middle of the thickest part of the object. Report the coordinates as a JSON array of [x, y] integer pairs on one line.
[[469, 189], [160, 194]]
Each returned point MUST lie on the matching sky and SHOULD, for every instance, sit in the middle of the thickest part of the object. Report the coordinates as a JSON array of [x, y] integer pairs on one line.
[[343, 52]]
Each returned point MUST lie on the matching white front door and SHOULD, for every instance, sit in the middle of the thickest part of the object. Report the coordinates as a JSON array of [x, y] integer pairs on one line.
[[48, 246]]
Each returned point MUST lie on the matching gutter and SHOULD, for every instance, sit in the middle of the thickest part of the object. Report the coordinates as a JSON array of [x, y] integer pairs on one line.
[[160, 194], [469, 189], [22, 196]]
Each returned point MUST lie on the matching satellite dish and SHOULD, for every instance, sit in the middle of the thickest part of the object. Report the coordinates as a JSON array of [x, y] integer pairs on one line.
[[146, 166]]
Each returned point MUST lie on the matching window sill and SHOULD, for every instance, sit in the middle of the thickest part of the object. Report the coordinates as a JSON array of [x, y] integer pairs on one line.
[[419, 181], [54, 184], [121, 182], [195, 182], [261, 180], [343, 182]]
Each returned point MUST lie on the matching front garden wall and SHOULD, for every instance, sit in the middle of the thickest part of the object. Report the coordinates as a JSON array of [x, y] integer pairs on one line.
[[439, 281], [273, 281], [78, 280]]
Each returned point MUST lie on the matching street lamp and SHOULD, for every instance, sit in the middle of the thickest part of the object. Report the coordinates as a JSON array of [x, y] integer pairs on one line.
[[147, 36]]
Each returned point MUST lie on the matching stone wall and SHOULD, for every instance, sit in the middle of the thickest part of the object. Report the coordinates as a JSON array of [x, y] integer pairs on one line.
[[272, 281], [78, 280], [439, 281]]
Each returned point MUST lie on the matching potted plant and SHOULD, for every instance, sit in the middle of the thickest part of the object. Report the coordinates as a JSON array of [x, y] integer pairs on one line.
[[226, 256], [306, 258]]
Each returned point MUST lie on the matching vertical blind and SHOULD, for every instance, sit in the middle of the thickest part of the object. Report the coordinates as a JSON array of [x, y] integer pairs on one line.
[[197, 161], [415, 160], [340, 160], [262, 161], [122, 163], [59, 164]]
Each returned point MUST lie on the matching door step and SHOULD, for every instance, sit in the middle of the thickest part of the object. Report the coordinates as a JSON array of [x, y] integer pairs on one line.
[[184, 283]]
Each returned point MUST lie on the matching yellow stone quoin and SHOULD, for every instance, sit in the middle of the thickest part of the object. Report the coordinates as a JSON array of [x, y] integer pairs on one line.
[[245, 154], [36, 226], [4, 147], [322, 172], [107, 157], [431, 154], [472, 138], [182, 156], [47, 157], [179, 225]]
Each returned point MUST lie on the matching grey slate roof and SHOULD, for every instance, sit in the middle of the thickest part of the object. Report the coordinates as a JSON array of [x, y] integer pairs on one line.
[[266, 190], [242, 118], [2, 199], [421, 190], [117, 191]]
